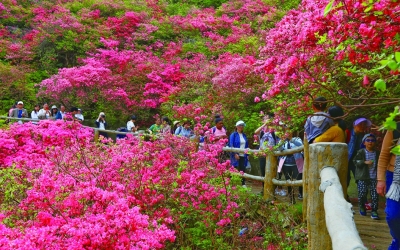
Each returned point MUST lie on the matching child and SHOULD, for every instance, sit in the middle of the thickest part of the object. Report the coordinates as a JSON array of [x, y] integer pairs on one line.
[[318, 123], [365, 174]]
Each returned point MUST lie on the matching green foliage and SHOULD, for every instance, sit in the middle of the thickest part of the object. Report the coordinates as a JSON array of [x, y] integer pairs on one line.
[[178, 9], [200, 3]]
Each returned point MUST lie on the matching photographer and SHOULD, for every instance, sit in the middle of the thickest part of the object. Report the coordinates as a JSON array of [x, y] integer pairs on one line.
[[102, 124]]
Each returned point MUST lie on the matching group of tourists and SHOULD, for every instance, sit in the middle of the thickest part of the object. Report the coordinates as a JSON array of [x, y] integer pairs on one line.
[[376, 171], [44, 112]]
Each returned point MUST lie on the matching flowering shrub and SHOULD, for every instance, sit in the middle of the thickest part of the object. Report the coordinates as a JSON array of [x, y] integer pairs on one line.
[[61, 190]]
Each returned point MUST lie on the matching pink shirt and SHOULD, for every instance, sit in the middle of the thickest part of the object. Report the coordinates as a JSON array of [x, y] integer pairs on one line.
[[219, 132]]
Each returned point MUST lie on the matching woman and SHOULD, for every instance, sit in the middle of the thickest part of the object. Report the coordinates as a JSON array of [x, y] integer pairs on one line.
[[336, 133], [101, 124], [186, 131], [267, 139], [54, 111], [218, 131], [292, 165], [35, 113], [238, 139], [388, 177], [166, 128]]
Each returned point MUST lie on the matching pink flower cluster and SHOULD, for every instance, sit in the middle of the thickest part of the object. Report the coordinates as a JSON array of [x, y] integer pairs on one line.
[[77, 194]]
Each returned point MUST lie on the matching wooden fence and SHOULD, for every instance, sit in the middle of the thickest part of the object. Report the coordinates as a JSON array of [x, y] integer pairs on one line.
[[329, 217], [330, 221]]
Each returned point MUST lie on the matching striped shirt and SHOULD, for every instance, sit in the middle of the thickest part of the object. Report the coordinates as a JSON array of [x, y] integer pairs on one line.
[[371, 156]]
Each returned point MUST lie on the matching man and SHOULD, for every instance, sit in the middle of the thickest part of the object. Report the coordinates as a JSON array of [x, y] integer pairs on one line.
[[45, 112], [19, 111], [60, 114], [79, 115]]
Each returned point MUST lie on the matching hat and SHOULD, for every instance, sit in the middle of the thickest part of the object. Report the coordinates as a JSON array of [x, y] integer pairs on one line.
[[53, 107], [80, 109], [20, 102], [133, 117], [102, 113], [362, 119], [368, 135], [176, 122], [240, 123]]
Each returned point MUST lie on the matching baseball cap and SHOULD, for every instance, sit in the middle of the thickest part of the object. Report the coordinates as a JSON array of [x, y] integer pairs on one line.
[[20, 102], [362, 119], [133, 117], [368, 135], [240, 123], [53, 107]]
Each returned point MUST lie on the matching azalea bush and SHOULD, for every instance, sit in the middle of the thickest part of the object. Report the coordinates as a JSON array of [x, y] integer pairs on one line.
[[59, 189]]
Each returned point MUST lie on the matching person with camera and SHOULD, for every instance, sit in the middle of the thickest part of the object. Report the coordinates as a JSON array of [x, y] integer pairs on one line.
[[45, 112], [102, 124]]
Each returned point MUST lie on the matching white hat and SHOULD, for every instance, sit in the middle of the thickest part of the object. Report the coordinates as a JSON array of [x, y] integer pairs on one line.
[[102, 113], [53, 107], [176, 122], [20, 102], [240, 123]]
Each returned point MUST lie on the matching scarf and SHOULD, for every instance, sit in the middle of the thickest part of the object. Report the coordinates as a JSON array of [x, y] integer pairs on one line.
[[394, 190]]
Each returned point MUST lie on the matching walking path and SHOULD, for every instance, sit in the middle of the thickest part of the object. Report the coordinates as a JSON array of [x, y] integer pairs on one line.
[[374, 233]]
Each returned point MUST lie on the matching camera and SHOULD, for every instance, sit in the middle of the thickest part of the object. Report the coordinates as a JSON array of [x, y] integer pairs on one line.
[[103, 116]]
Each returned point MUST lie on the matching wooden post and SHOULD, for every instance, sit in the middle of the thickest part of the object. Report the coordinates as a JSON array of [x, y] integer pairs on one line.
[[270, 172], [339, 218], [321, 155], [96, 135], [306, 165]]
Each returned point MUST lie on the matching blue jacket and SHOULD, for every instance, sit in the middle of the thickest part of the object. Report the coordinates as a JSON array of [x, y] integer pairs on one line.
[[234, 142], [351, 146]]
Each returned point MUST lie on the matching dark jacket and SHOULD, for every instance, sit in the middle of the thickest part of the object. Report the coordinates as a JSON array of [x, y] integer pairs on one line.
[[362, 170]]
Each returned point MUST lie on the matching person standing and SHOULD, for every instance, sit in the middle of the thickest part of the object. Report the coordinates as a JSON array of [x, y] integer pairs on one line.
[[101, 124], [45, 112], [79, 116], [389, 183], [19, 111], [360, 128], [155, 128], [60, 114], [185, 130], [166, 128], [365, 162], [35, 112], [292, 165], [130, 125], [54, 111], [238, 139]]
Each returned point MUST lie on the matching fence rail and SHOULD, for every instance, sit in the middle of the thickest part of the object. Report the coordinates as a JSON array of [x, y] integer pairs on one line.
[[329, 218]]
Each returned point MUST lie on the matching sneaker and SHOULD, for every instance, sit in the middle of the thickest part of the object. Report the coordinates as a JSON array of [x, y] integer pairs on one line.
[[374, 215], [300, 197], [363, 212], [283, 192], [244, 186]]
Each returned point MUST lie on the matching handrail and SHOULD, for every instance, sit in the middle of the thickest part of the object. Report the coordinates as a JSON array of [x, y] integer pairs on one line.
[[254, 151], [339, 218]]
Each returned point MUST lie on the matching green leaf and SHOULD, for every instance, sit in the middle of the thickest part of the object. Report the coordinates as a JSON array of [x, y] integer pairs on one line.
[[384, 62], [328, 8], [392, 65], [380, 85], [395, 150], [397, 56], [368, 9], [390, 125]]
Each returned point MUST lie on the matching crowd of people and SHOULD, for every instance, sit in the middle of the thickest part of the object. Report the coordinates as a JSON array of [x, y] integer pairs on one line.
[[375, 171]]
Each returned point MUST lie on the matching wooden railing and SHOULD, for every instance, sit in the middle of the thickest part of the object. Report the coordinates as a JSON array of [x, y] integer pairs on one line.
[[329, 217]]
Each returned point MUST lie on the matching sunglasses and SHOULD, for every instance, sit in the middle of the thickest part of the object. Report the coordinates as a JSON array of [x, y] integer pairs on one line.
[[370, 140]]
